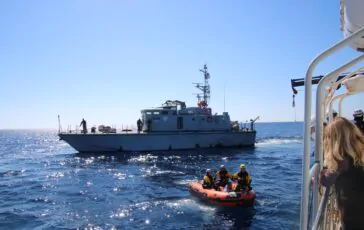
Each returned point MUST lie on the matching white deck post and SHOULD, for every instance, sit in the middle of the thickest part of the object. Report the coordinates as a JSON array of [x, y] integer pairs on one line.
[[320, 116], [307, 118]]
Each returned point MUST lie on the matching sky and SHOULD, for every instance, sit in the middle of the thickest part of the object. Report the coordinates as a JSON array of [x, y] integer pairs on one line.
[[106, 60]]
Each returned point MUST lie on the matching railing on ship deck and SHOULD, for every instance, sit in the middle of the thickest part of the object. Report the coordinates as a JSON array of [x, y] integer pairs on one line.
[[320, 109], [320, 219], [132, 130], [80, 131], [326, 214]]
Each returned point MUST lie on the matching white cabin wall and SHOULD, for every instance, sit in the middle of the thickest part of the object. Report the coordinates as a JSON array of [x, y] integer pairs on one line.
[[192, 121]]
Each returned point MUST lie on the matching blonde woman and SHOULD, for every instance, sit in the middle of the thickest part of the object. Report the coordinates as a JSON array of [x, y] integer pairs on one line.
[[344, 158]]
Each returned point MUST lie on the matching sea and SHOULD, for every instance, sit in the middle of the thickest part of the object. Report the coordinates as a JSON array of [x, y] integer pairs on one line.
[[45, 184]]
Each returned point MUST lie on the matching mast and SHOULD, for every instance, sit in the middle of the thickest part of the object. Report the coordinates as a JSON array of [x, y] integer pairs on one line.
[[205, 88]]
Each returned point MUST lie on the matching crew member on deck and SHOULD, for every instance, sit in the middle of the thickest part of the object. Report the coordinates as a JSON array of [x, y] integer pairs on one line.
[[358, 119], [208, 180], [244, 179], [84, 126], [139, 125], [222, 177], [334, 114]]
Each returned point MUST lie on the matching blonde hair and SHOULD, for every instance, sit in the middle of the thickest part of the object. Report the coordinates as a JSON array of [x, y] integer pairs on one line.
[[342, 137]]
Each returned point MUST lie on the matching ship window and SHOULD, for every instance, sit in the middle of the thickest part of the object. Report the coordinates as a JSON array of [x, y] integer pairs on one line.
[[174, 113], [155, 112], [193, 119], [149, 112], [164, 112]]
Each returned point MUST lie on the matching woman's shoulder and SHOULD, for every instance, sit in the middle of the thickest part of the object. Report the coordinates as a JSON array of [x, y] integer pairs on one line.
[[345, 164]]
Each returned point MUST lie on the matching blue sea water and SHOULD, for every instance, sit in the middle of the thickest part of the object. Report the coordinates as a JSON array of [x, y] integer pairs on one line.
[[45, 184]]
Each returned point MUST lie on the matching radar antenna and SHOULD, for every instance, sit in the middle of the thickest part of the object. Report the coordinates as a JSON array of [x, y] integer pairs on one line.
[[205, 88]]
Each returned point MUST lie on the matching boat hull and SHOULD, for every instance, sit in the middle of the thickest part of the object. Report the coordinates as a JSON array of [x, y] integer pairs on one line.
[[157, 141], [219, 198]]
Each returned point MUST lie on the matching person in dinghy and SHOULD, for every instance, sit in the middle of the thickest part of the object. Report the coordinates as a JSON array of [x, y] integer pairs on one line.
[[243, 178], [222, 177], [208, 180]]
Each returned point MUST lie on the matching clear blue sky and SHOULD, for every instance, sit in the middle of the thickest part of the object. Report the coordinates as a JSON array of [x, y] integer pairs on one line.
[[106, 60]]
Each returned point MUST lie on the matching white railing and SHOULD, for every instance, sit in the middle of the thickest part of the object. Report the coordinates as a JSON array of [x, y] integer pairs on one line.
[[320, 218], [321, 94], [327, 215], [78, 130]]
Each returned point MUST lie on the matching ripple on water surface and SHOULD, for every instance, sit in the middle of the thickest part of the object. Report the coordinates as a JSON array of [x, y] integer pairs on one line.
[[45, 185]]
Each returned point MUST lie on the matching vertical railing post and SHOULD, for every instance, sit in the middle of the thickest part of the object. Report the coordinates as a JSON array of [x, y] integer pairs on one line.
[[307, 117], [320, 217], [320, 116]]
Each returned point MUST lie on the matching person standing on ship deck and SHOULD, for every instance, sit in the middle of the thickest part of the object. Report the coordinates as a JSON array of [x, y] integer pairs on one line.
[[139, 125], [334, 114], [358, 119], [84, 126], [344, 158]]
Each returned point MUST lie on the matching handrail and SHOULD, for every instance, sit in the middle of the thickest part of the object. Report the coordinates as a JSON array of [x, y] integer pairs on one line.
[[321, 93], [314, 174], [322, 209], [349, 75], [313, 169], [307, 116]]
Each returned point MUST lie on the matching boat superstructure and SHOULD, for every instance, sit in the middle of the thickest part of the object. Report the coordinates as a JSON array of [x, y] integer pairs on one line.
[[322, 213], [171, 126]]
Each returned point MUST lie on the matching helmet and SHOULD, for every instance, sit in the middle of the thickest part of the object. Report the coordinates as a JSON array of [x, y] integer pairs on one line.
[[358, 113], [222, 166], [208, 170], [242, 166]]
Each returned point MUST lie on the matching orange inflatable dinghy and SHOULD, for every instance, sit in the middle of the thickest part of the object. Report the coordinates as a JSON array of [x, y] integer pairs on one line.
[[222, 198]]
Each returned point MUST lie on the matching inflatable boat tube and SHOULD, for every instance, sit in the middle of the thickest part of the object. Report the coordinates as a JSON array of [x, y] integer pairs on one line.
[[221, 198], [352, 19]]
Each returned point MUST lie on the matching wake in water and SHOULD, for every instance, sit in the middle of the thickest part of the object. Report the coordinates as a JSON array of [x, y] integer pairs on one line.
[[279, 140]]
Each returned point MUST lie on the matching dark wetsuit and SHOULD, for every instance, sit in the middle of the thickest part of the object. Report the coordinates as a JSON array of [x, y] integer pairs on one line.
[[223, 176]]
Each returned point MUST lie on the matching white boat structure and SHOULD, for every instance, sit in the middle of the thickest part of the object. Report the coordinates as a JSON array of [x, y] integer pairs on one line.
[[318, 209], [172, 126]]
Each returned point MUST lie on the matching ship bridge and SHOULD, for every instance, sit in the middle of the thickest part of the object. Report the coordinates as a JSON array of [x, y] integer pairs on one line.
[[175, 116]]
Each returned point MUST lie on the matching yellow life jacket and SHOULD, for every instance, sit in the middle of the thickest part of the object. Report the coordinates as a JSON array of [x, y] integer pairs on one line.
[[243, 176], [208, 180]]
